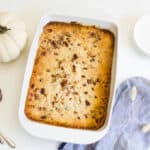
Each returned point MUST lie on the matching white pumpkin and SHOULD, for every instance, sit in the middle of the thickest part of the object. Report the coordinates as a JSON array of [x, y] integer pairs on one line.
[[13, 36]]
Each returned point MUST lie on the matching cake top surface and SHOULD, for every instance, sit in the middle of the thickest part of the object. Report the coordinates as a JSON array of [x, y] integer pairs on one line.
[[71, 76]]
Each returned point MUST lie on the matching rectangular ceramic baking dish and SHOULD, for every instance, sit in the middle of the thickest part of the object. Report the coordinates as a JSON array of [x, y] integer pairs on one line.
[[61, 133]]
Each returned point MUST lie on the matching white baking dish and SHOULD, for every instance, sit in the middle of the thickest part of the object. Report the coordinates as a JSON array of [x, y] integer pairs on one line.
[[61, 133]]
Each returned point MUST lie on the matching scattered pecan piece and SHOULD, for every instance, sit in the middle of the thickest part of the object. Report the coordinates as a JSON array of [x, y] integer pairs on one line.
[[87, 103], [63, 82]]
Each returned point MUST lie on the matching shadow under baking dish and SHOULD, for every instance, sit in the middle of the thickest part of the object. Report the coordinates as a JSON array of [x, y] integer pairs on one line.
[[60, 133]]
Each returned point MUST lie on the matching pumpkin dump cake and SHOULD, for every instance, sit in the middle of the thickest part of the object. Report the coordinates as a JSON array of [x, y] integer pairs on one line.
[[70, 81]]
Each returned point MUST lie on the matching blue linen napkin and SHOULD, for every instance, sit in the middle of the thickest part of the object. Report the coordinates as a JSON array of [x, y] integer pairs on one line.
[[127, 121]]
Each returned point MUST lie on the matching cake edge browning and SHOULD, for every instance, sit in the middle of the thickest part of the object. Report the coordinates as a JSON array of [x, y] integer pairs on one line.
[[75, 126]]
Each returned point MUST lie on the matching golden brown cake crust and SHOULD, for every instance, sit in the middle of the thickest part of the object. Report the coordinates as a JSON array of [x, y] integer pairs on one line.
[[70, 82]]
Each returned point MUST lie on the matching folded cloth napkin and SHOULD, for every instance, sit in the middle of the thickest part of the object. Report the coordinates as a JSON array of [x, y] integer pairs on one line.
[[128, 120]]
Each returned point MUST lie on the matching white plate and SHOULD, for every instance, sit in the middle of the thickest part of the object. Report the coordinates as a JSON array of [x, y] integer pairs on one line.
[[61, 133], [141, 34]]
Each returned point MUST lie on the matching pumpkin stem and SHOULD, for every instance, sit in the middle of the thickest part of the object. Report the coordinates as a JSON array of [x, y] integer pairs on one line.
[[3, 29]]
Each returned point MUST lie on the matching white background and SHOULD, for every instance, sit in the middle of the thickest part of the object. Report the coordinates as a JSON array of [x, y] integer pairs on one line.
[[131, 62]]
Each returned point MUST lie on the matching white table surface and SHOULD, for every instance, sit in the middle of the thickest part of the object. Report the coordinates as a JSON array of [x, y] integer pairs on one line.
[[131, 62]]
